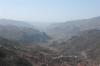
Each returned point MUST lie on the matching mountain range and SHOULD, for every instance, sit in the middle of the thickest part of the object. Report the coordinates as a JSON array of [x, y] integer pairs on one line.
[[68, 29], [68, 43], [21, 31]]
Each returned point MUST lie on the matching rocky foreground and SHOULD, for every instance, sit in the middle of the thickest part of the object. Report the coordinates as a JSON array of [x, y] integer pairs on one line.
[[42, 60], [15, 54], [34, 57]]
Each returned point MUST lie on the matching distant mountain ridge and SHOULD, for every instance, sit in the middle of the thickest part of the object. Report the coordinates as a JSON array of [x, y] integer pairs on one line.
[[21, 31], [15, 23], [70, 28]]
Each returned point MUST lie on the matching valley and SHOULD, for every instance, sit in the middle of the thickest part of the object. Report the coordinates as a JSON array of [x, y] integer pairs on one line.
[[73, 43]]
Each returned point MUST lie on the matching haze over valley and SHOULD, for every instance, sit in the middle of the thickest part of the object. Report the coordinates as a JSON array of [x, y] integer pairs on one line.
[[49, 33]]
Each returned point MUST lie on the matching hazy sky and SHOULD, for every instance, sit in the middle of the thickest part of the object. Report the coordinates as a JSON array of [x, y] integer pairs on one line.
[[49, 10]]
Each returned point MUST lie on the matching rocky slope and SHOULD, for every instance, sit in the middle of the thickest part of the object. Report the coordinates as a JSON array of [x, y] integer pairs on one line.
[[87, 43], [21, 31], [68, 29]]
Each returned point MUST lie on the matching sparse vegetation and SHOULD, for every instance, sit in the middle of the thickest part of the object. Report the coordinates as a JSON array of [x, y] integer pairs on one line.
[[81, 49]]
